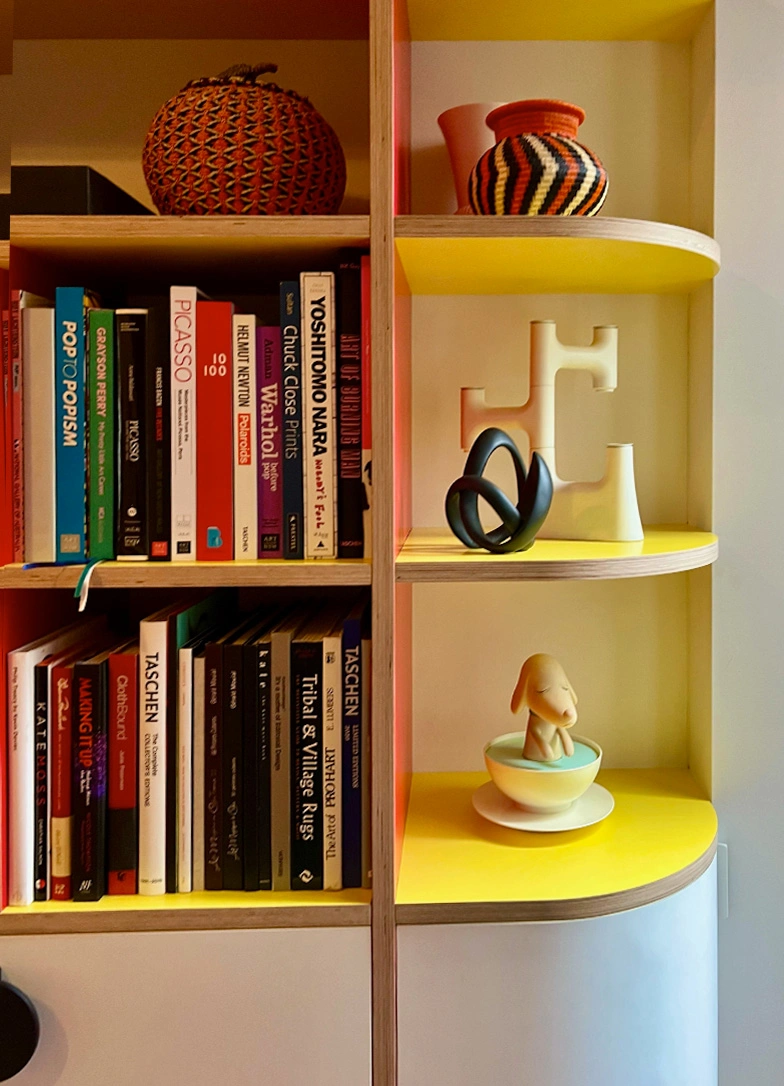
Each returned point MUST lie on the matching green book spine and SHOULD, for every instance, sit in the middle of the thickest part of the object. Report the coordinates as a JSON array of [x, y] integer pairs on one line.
[[101, 434]]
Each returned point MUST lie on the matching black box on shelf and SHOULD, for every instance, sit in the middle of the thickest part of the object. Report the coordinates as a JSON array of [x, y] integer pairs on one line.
[[5, 211], [68, 190]]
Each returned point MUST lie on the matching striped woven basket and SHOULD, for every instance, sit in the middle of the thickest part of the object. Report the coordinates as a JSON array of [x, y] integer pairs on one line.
[[537, 167], [235, 144]]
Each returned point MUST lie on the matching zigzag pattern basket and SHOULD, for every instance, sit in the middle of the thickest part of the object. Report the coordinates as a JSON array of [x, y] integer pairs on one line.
[[235, 145], [537, 167]]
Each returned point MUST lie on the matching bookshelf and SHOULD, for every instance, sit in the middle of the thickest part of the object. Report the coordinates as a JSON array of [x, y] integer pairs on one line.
[[448, 290]]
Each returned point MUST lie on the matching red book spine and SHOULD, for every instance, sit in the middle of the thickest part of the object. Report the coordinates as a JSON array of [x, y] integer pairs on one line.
[[270, 438], [62, 809], [17, 447], [123, 833], [214, 432]]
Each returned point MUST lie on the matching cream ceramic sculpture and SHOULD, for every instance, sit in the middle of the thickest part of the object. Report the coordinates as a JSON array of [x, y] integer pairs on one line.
[[545, 692], [606, 510]]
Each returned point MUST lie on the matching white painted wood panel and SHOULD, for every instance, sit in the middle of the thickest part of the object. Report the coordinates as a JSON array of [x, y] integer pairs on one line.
[[624, 1000], [198, 1008]]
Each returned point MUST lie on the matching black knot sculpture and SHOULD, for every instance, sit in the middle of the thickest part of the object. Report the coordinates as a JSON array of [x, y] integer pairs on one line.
[[519, 522]]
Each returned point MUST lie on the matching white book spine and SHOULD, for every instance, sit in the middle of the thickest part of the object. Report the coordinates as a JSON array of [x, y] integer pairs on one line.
[[198, 772], [152, 756], [246, 518], [318, 412], [332, 666], [38, 369], [182, 309], [185, 771], [280, 782]]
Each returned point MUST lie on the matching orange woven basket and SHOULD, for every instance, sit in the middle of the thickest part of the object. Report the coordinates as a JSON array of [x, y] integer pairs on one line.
[[235, 144]]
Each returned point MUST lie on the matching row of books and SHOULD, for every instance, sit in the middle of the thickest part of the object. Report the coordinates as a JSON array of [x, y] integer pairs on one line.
[[181, 429], [215, 751]]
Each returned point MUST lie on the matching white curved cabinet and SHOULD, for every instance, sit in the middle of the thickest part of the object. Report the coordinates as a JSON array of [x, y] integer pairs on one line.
[[622, 1000], [168, 1009]]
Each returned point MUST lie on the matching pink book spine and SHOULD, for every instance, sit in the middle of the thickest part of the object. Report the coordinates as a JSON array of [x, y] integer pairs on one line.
[[270, 461]]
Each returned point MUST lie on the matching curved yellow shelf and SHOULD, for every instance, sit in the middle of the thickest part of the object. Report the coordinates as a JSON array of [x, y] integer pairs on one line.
[[456, 867], [436, 555], [468, 254], [555, 20]]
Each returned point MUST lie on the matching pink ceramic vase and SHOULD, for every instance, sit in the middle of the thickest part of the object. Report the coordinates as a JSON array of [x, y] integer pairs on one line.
[[467, 137]]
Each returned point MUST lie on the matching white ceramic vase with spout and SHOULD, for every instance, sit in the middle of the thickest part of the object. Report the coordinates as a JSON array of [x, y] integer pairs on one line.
[[467, 138]]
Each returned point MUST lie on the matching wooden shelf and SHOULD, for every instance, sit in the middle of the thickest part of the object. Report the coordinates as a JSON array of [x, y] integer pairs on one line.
[[458, 868], [5, 247], [185, 19], [433, 554], [136, 241], [272, 572], [189, 912], [468, 254], [556, 20]]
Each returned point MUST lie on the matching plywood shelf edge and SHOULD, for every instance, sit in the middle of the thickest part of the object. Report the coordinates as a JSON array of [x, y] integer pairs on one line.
[[193, 574]]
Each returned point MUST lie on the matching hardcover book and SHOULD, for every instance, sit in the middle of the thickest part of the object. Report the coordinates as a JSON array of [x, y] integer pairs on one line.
[[198, 809], [291, 356], [182, 310], [71, 306], [38, 365], [41, 883], [332, 755], [367, 409], [100, 434], [214, 500], [123, 727], [268, 366], [246, 515], [257, 672], [158, 430], [352, 765], [61, 745], [133, 540], [318, 406], [351, 491]]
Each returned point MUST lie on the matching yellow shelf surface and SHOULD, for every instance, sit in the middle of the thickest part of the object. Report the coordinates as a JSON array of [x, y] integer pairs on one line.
[[468, 254], [434, 554], [238, 574], [555, 20], [662, 826]]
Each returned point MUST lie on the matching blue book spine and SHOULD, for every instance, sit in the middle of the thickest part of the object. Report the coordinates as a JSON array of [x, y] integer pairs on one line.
[[70, 428], [352, 751], [293, 496]]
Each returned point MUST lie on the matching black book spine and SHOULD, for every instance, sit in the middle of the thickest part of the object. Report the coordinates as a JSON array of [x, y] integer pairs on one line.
[[352, 752], [232, 768], [132, 521], [351, 492], [307, 805], [250, 769], [158, 433], [41, 783], [213, 777], [264, 731], [88, 860]]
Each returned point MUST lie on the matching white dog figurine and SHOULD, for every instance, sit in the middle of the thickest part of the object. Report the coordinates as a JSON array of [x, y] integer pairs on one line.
[[545, 692]]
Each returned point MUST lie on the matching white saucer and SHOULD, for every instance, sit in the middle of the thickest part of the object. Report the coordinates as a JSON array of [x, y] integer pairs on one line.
[[591, 807]]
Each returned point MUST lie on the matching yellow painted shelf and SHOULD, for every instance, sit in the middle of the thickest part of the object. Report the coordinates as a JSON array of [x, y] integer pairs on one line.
[[172, 912], [472, 254], [128, 241], [458, 867], [272, 572], [555, 20], [434, 554]]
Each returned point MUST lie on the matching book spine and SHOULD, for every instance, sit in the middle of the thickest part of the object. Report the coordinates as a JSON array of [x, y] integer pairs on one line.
[[263, 680], [351, 492], [307, 801], [39, 462], [182, 314], [251, 768], [20, 780], [367, 412], [70, 431], [6, 541], [268, 368], [122, 824], [101, 439], [291, 365], [280, 768], [352, 752], [185, 765], [89, 783], [214, 513], [246, 514], [158, 438], [41, 885], [366, 651], [231, 756], [332, 763], [17, 432], [132, 522], [61, 761], [153, 648], [318, 400], [197, 852], [213, 776]]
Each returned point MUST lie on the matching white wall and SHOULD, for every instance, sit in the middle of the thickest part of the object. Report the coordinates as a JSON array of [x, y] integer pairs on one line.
[[748, 605]]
